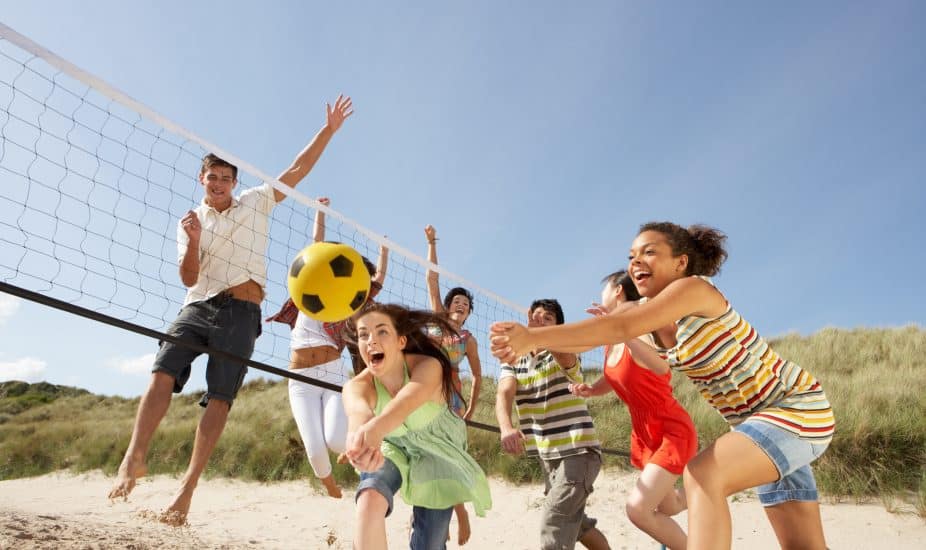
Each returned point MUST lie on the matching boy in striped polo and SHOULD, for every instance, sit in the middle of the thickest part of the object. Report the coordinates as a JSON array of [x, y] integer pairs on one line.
[[556, 428]]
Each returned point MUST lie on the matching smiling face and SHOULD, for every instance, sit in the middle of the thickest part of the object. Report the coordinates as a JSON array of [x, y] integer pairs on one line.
[[218, 182], [459, 309], [652, 265], [380, 345], [541, 317]]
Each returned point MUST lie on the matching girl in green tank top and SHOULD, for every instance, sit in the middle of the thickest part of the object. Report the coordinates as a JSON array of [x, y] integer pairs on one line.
[[402, 435]]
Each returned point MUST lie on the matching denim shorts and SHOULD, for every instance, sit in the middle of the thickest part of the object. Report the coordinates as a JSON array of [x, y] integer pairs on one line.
[[792, 457], [429, 526], [222, 323], [456, 402]]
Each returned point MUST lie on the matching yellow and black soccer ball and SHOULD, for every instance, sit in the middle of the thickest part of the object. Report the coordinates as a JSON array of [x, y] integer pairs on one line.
[[328, 281]]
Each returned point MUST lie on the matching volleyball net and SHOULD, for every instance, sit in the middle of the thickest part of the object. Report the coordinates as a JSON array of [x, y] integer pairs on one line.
[[94, 184]]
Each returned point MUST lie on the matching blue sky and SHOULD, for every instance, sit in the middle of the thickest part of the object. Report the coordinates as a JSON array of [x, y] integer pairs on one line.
[[537, 137]]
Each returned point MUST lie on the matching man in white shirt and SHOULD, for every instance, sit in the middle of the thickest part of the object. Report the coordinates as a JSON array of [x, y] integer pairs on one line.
[[222, 247]]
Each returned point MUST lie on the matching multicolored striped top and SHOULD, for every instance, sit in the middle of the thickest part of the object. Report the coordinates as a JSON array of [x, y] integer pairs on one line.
[[554, 422], [453, 346], [739, 374]]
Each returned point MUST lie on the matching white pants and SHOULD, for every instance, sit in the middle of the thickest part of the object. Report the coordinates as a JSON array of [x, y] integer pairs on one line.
[[319, 415]]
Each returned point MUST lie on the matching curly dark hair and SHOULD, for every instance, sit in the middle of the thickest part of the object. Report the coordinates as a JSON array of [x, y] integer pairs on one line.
[[704, 245], [458, 291]]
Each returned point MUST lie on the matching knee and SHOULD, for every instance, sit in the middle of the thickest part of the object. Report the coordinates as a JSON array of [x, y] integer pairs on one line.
[[700, 478], [371, 505], [636, 510]]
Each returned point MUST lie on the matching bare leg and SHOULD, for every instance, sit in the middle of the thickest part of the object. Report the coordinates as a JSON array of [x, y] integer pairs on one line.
[[729, 465], [674, 502], [371, 521], [207, 435], [593, 539], [331, 486], [797, 525], [151, 410], [462, 524], [656, 485]]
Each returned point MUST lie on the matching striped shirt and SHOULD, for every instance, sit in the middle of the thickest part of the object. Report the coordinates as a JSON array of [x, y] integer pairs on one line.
[[554, 422], [739, 374]]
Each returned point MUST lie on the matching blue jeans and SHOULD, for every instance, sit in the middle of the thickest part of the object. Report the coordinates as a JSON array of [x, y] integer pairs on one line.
[[792, 457], [429, 527], [223, 323]]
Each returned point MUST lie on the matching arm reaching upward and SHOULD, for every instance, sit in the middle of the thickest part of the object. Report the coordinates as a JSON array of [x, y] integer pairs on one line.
[[318, 232], [433, 283], [306, 159]]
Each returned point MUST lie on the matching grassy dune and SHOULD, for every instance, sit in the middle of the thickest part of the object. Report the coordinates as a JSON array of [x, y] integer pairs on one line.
[[875, 379]]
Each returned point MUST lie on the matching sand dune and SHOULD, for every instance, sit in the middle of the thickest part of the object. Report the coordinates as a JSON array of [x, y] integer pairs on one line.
[[71, 511]]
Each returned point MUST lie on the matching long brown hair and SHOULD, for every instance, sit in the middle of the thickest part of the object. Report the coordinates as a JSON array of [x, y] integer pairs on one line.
[[414, 324]]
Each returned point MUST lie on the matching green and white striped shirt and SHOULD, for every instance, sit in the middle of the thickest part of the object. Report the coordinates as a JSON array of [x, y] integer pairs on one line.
[[554, 422]]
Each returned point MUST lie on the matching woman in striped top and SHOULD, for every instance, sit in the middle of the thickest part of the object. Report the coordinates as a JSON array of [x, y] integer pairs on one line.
[[781, 419]]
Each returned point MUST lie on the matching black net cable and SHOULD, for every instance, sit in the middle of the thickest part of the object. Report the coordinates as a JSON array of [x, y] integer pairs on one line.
[[157, 335]]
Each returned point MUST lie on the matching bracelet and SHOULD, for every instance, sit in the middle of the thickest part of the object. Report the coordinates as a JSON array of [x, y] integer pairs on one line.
[[432, 241]]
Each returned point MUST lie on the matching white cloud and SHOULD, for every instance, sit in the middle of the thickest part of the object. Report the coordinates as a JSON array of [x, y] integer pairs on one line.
[[132, 365], [8, 306], [26, 369]]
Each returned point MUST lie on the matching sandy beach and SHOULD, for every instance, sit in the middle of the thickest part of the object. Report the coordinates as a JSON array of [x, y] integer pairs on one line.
[[71, 511]]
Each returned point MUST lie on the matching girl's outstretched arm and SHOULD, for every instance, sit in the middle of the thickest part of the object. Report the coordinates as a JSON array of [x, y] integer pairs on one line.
[[318, 231], [688, 296], [432, 278]]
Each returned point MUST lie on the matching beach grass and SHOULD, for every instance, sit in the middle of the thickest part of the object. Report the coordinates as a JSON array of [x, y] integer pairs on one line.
[[875, 379]]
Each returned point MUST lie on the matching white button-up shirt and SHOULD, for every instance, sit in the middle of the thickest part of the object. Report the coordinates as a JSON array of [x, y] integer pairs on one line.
[[232, 245]]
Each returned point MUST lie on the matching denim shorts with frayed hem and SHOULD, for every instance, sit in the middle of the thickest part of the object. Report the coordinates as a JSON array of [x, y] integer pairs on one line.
[[792, 457], [429, 526]]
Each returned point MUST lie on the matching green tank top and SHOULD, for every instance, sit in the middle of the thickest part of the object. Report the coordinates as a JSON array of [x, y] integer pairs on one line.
[[429, 450]]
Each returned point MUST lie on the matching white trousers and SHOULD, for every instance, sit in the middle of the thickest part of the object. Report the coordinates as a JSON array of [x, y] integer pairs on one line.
[[320, 417]]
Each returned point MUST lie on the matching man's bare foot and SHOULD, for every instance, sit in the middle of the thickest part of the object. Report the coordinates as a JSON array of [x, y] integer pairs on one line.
[[174, 518], [462, 524], [331, 486], [129, 472], [175, 514]]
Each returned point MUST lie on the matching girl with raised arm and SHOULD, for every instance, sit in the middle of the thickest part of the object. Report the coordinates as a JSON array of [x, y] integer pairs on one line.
[[780, 417], [456, 308], [402, 434], [316, 351]]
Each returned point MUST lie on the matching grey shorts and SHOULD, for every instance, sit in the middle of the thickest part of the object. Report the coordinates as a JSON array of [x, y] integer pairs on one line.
[[568, 482], [221, 323]]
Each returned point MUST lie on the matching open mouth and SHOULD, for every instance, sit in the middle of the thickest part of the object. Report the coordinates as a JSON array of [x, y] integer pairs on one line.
[[641, 276], [376, 358]]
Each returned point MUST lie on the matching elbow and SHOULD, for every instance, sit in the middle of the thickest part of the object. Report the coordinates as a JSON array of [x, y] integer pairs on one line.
[[188, 280]]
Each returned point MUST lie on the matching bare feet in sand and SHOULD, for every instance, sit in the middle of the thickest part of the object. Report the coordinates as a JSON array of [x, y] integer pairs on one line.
[[129, 471], [173, 518], [175, 514], [462, 524], [331, 486]]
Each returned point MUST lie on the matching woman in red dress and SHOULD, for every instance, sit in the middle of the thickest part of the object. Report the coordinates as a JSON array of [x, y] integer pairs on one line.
[[663, 438]]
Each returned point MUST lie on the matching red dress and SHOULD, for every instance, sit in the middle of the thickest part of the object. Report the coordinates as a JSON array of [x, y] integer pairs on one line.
[[663, 433]]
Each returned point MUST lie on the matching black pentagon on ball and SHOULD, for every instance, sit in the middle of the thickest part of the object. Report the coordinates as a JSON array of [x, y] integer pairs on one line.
[[359, 299], [296, 267], [341, 266], [312, 303]]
